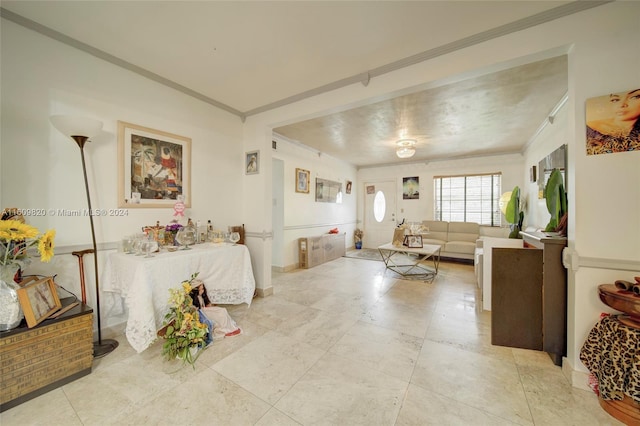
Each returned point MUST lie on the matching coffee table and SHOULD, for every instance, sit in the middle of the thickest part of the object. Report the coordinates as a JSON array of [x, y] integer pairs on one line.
[[411, 263]]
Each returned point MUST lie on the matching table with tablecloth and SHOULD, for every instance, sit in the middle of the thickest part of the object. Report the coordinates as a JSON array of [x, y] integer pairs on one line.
[[140, 286], [611, 352]]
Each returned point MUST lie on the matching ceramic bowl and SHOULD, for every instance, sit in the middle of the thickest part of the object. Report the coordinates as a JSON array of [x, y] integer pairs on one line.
[[172, 248]]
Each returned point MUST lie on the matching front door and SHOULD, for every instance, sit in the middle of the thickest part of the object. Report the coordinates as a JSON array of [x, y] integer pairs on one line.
[[379, 213]]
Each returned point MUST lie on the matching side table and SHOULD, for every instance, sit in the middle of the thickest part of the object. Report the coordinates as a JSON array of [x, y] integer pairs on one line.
[[612, 354], [36, 360]]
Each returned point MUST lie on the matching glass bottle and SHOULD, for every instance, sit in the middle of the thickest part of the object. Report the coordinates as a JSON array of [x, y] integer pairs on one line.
[[209, 231]]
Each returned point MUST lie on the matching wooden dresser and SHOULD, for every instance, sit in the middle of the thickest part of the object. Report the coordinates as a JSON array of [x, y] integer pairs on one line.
[[35, 360], [529, 296]]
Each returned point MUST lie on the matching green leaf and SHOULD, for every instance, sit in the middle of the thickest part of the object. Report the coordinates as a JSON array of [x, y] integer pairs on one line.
[[556, 199], [512, 211]]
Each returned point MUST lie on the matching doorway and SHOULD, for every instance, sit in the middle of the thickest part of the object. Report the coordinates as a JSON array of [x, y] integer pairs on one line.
[[379, 213], [277, 213]]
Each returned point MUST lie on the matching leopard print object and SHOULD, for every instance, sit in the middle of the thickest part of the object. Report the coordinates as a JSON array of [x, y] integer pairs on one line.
[[612, 354], [597, 143]]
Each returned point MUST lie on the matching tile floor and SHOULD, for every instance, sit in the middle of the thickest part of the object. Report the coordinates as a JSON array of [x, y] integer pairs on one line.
[[344, 343]]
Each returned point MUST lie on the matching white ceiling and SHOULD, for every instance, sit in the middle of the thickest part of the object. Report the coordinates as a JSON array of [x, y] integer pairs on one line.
[[251, 56]]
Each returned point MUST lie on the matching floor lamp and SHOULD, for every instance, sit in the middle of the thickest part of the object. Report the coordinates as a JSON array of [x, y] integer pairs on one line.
[[80, 129]]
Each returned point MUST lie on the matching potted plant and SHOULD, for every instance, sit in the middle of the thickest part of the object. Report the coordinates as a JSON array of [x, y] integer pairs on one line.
[[357, 238], [556, 199], [182, 331], [514, 214]]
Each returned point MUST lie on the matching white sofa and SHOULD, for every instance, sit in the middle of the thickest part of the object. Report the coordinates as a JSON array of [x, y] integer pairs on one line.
[[458, 239]]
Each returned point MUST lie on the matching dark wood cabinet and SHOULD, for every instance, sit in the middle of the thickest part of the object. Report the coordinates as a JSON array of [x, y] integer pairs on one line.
[[529, 296]]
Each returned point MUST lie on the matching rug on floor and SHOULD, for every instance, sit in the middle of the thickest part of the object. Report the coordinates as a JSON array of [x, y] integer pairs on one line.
[[365, 253]]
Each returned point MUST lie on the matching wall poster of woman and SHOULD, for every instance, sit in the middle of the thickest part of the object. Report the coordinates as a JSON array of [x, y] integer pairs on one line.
[[613, 123]]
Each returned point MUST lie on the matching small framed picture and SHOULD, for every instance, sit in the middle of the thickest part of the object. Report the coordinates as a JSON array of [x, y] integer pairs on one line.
[[302, 180], [413, 241], [348, 187], [252, 163], [39, 300]]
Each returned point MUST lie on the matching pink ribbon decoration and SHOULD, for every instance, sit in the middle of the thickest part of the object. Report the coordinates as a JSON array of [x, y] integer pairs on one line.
[[178, 208]]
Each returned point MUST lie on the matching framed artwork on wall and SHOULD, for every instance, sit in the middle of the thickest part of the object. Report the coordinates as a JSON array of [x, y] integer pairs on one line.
[[302, 180], [328, 191], [411, 188], [252, 163], [613, 123], [154, 167], [348, 187]]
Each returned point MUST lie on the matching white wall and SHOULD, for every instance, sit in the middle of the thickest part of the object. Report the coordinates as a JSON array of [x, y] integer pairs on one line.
[[552, 136], [605, 211], [41, 169], [422, 209], [303, 216]]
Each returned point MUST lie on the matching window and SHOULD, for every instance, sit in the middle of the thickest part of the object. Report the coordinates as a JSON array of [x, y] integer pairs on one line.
[[468, 198], [379, 206]]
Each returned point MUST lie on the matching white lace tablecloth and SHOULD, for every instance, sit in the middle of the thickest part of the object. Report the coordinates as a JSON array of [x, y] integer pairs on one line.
[[143, 284]]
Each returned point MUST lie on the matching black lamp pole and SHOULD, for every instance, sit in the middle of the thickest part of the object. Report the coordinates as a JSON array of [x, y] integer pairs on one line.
[[101, 347]]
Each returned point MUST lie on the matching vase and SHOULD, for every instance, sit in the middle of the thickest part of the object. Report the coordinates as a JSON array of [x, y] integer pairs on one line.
[[10, 311]]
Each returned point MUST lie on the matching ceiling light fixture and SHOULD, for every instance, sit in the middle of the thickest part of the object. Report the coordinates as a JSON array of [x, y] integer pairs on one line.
[[406, 148]]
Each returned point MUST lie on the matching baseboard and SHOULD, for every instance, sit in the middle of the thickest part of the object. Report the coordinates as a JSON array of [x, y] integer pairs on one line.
[[264, 292], [287, 268], [578, 379]]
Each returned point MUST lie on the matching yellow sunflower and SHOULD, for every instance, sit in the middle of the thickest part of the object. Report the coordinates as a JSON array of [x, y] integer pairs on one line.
[[46, 245], [13, 230]]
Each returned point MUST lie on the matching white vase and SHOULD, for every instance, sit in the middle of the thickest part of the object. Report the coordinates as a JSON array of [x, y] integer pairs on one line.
[[10, 310]]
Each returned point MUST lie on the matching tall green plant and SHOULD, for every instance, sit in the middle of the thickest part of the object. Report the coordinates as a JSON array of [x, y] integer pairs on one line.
[[556, 199], [513, 214]]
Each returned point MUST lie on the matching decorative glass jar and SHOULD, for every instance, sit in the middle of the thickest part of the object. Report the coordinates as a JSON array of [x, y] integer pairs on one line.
[[186, 237]]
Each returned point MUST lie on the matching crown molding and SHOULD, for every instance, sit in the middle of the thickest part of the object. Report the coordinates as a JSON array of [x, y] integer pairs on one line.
[[72, 42]]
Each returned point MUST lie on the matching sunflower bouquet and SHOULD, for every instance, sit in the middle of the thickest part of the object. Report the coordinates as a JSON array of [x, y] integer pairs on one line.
[[182, 330], [17, 237]]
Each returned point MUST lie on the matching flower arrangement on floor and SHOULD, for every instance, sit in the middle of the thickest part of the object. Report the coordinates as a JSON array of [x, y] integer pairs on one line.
[[182, 330], [15, 238], [357, 238]]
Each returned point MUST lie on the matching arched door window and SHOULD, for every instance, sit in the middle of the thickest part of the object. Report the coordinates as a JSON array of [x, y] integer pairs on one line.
[[379, 206]]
